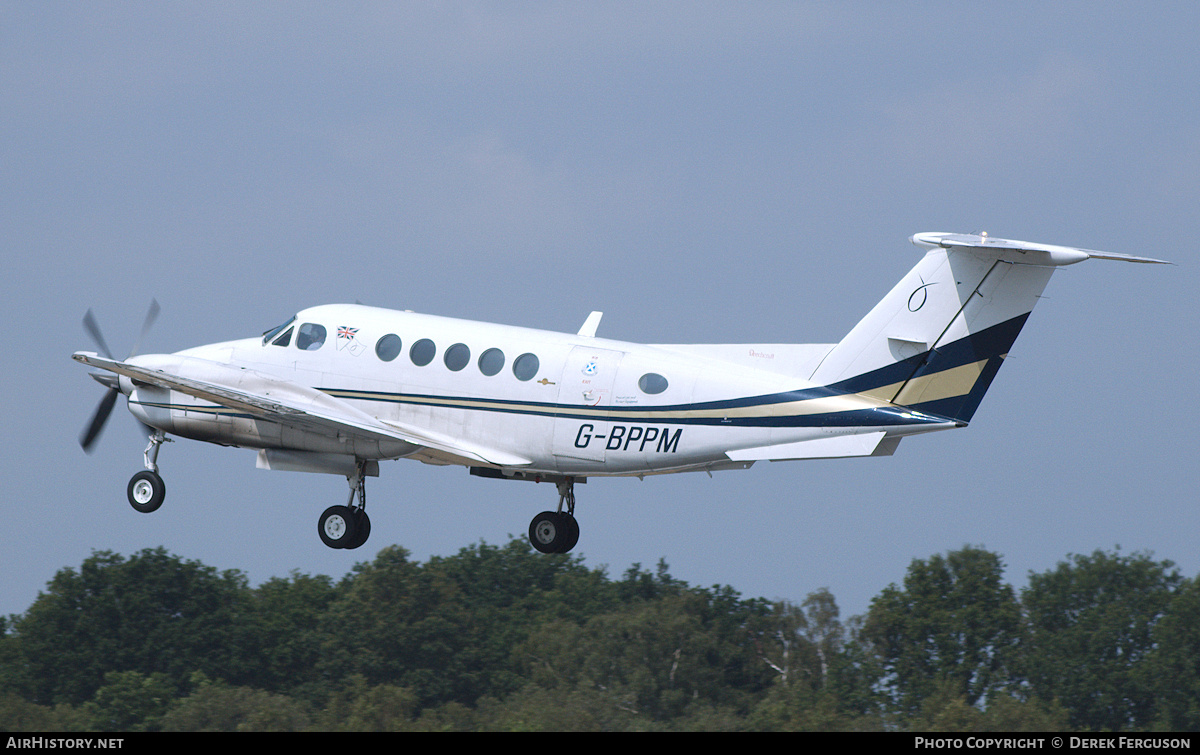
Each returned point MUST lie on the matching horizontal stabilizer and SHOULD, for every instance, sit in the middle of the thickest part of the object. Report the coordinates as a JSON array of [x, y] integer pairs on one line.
[[1038, 254], [841, 446]]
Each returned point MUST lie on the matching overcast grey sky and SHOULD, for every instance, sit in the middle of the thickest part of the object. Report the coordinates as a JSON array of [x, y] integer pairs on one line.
[[701, 172]]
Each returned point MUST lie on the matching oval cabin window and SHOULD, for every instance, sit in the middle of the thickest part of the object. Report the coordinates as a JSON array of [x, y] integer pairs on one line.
[[388, 347], [491, 362], [652, 383], [525, 367], [457, 357], [422, 352]]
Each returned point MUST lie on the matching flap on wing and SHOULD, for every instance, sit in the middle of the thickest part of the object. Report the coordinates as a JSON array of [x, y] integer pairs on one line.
[[456, 446], [841, 446], [287, 403]]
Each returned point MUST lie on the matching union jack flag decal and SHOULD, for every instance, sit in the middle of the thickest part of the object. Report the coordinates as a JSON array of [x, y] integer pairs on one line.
[[344, 332]]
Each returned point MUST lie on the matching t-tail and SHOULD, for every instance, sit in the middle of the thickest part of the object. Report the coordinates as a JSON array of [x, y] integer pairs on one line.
[[937, 340]]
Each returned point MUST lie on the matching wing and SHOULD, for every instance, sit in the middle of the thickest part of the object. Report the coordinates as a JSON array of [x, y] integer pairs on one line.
[[270, 398]]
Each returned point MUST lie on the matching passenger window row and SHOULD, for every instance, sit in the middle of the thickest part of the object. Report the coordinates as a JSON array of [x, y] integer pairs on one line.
[[457, 357], [311, 336]]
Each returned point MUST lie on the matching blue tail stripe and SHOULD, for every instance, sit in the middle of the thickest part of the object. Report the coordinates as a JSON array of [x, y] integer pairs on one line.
[[990, 344]]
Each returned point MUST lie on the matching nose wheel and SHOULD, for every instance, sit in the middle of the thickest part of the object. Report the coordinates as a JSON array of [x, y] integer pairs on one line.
[[146, 489]]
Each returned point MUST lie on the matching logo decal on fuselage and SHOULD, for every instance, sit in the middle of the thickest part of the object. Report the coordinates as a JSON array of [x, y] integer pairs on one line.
[[924, 296], [347, 340]]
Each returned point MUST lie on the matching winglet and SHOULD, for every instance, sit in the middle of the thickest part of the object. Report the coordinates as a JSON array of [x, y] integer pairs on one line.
[[590, 324]]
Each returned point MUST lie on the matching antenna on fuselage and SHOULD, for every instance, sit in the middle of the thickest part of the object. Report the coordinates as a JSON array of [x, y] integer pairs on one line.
[[590, 324]]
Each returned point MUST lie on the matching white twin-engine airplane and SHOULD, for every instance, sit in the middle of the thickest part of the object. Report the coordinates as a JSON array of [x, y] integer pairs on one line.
[[338, 388]]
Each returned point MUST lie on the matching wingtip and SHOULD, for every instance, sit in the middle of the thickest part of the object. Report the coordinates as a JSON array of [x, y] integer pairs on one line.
[[1127, 258]]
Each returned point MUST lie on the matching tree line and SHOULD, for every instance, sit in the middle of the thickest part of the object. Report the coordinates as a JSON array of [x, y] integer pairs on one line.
[[503, 638]]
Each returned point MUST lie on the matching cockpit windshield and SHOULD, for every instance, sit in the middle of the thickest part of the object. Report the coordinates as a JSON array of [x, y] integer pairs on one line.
[[267, 336]]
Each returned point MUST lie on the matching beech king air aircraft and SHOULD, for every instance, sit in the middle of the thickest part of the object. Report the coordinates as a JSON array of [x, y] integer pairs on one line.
[[339, 388]]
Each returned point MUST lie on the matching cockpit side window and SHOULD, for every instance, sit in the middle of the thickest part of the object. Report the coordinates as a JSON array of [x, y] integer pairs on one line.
[[310, 337], [277, 330], [284, 339]]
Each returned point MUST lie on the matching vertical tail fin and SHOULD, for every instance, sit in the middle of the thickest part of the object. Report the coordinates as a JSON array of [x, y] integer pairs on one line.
[[937, 340]]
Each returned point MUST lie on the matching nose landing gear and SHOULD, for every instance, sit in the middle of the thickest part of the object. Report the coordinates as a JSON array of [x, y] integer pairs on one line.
[[146, 489]]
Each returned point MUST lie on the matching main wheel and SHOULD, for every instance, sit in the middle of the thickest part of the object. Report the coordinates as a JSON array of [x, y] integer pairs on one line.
[[552, 532], [146, 491], [336, 526], [362, 529], [572, 526]]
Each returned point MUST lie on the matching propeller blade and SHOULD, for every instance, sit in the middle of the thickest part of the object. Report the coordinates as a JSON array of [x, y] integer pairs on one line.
[[89, 324], [89, 436], [151, 316]]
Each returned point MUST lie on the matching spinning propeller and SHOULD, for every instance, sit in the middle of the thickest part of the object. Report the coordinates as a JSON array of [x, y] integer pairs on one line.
[[88, 438]]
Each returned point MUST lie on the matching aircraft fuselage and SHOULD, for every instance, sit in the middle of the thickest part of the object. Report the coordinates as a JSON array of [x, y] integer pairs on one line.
[[567, 404]]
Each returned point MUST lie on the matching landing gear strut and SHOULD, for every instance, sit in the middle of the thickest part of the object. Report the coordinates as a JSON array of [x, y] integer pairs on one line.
[[557, 531], [146, 489], [347, 526]]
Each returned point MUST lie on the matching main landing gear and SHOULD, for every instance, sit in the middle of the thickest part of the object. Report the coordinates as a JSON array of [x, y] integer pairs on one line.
[[557, 531], [347, 526], [146, 489]]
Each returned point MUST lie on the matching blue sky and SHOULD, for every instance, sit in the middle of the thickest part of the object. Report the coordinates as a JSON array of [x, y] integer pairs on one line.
[[701, 172]]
